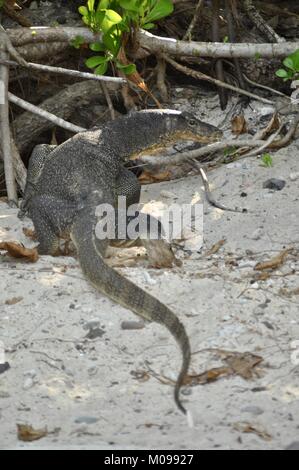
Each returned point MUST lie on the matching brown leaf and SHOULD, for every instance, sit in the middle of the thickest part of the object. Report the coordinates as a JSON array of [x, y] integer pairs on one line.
[[140, 375], [243, 363], [13, 301], [273, 125], [147, 177], [160, 254], [208, 376], [30, 233], [248, 428], [18, 251], [27, 433], [288, 293], [215, 248], [273, 263], [239, 125]]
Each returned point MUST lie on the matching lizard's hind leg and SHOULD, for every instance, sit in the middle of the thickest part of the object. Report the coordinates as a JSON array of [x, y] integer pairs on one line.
[[52, 219]]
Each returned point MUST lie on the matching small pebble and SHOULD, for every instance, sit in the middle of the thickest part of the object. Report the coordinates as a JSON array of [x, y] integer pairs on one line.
[[28, 383], [294, 176], [30, 373], [168, 194], [246, 264], [86, 420], [254, 410], [132, 325], [257, 234], [91, 324], [92, 371], [148, 279], [275, 184]]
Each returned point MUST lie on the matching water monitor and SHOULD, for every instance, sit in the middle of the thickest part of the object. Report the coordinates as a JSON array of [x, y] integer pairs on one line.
[[66, 184]]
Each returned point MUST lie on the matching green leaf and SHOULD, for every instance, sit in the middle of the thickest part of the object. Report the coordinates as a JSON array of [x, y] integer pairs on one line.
[[83, 11], [90, 5], [282, 73], [103, 4], [161, 9], [110, 19], [112, 44], [288, 62], [267, 160], [94, 61], [130, 5], [127, 69], [148, 25], [97, 47], [295, 60], [77, 42], [101, 69]]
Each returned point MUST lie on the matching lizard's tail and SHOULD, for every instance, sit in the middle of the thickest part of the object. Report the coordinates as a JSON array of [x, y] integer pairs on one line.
[[123, 291]]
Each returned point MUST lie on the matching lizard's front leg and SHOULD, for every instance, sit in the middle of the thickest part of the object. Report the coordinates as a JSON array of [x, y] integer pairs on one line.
[[39, 156]]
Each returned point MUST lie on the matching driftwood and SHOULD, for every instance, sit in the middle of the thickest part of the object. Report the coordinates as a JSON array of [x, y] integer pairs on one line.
[[47, 37]]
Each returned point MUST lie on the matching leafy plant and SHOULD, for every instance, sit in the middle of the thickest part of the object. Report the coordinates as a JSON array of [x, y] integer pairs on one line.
[[267, 160], [291, 64], [114, 19], [77, 42]]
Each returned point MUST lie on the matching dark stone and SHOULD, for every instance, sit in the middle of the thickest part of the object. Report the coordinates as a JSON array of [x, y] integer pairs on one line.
[[4, 367], [274, 184]]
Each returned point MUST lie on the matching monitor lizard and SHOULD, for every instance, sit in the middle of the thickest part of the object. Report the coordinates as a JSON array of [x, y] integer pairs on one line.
[[66, 184]]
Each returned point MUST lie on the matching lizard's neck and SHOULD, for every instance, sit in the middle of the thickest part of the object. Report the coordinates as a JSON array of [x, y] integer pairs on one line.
[[140, 131]]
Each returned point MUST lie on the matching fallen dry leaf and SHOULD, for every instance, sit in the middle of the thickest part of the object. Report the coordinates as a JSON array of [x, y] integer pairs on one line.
[[275, 262], [147, 177], [13, 300], [263, 276], [208, 376], [18, 251], [140, 375], [27, 433], [288, 292], [243, 363], [160, 254], [215, 248], [248, 428], [273, 125], [30, 233], [239, 125]]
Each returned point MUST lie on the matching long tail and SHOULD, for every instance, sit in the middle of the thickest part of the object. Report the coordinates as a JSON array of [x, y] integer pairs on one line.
[[121, 290]]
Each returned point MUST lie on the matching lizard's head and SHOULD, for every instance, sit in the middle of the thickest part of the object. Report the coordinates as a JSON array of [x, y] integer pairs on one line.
[[185, 126]]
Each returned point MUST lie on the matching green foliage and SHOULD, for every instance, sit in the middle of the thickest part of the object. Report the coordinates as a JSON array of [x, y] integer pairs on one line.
[[77, 42], [1, 3], [291, 64], [267, 160], [113, 18]]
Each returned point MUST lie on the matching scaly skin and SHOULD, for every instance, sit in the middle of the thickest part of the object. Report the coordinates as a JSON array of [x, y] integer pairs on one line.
[[87, 171]]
